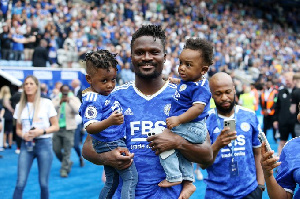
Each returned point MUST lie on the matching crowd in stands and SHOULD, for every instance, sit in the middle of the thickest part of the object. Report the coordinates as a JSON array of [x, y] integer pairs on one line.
[[264, 41]]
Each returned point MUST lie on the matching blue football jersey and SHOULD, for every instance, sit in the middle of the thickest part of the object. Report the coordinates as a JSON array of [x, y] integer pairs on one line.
[[96, 107], [142, 113], [219, 182], [288, 173], [189, 93]]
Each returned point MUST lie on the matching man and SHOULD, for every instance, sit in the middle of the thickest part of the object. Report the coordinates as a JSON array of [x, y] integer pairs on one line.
[[44, 91], [267, 99], [146, 105], [236, 171], [295, 102], [76, 85], [6, 41], [284, 120], [66, 105], [40, 55]]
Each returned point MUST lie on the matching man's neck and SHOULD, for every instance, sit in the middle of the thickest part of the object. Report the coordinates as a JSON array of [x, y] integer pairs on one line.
[[227, 114], [149, 86]]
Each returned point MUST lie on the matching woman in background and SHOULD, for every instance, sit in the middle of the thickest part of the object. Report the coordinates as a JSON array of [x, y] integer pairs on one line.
[[5, 96], [36, 121]]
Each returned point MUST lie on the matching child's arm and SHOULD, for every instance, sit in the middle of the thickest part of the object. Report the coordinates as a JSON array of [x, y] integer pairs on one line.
[[188, 116], [114, 119]]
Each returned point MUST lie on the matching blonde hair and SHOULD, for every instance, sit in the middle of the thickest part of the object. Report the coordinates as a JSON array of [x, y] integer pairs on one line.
[[36, 103], [5, 92]]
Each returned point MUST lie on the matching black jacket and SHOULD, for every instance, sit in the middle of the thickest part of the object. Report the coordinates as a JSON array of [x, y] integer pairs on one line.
[[40, 57], [282, 108]]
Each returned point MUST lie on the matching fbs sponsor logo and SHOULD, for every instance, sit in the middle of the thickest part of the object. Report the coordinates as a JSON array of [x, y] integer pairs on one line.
[[128, 112]]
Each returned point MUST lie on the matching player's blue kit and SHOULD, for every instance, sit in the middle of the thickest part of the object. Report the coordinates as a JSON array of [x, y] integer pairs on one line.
[[220, 183], [288, 173], [141, 113]]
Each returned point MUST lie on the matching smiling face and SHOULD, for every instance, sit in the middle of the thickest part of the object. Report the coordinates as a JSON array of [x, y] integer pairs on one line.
[[191, 67], [147, 56], [103, 81]]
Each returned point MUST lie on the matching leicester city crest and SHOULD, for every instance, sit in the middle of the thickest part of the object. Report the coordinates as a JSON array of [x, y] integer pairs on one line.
[[167, 109], [91, 112], [245, 126], [182, 87]]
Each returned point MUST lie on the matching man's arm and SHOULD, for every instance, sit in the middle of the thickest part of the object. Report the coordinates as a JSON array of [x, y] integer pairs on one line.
[[223, 140], [168, 140], [112, 158], [275, 191], [259, 171]]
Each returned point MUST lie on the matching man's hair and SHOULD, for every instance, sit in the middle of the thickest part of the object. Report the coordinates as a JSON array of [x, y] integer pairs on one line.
[[203, 46], [100, 59], [150, 30], [296, 76]]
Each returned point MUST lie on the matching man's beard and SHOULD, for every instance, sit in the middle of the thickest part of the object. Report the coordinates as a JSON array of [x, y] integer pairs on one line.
[[152, 75], [226, 110]]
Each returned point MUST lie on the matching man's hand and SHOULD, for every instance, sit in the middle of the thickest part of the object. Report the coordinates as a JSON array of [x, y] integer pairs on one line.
[[64, 98], [116, 118], [164, 141], [225, 137], [117, 159], [114, 158], [172, 122], [268, 163]]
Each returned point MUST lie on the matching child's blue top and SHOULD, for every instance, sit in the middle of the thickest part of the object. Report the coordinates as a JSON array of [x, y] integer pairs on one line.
[[95, 108], [189, 93]]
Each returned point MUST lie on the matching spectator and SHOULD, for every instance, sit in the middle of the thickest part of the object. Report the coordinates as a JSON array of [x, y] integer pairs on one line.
[[246, 99], [14, 100], [40, 55], [66, 105], [238, 151], [44, 90], [18, 46], [268, 95], [76, 85], [5, 96], [33, 111], [6, 42], [284, 120], [126, 75]]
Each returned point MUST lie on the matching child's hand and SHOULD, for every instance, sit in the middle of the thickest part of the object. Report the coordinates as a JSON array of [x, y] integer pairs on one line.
[[174, 80], [172, 122], [116, 118]]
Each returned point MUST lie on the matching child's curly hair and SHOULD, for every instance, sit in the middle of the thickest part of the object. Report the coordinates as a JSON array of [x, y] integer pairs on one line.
[[100, 59]]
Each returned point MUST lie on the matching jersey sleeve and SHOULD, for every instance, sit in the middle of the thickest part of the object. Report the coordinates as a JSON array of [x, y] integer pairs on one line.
[[285, 173], [90, 111], [201, 93]]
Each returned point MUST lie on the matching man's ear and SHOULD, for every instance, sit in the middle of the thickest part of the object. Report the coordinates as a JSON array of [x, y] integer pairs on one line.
[[204, 70], [88, 79]]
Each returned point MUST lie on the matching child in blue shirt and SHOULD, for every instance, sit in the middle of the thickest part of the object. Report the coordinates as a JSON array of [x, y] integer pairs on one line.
[[189, 108], [103, 119]]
